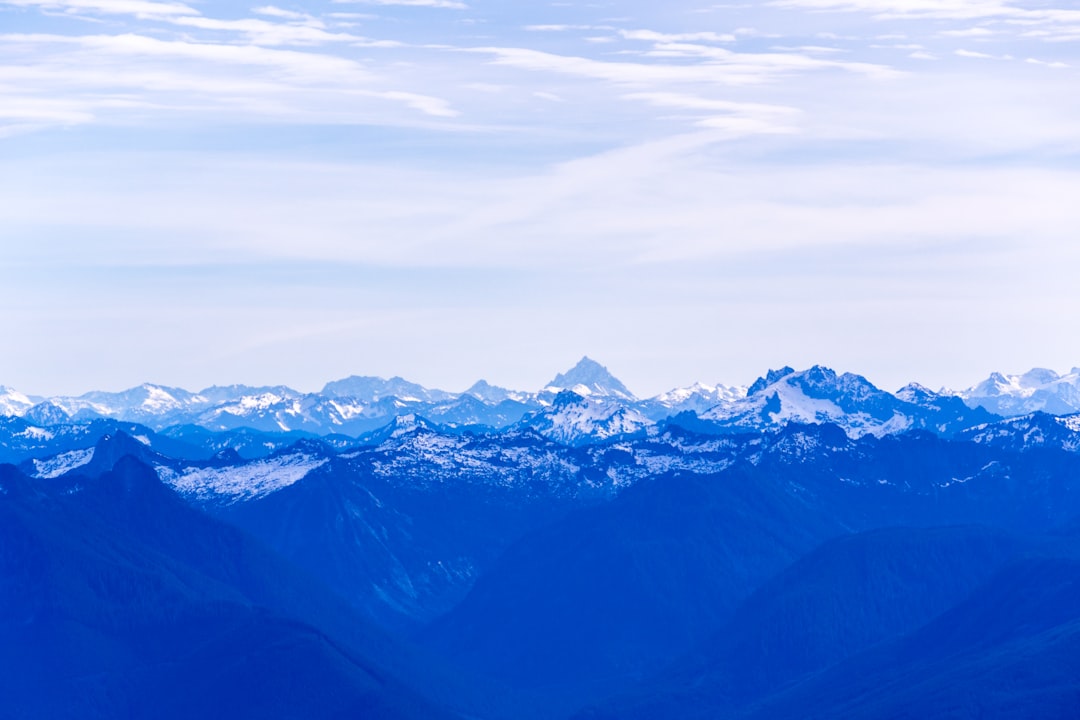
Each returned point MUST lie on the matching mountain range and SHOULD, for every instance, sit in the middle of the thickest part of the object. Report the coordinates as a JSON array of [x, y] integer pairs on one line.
[[356, 405], [810, 546]]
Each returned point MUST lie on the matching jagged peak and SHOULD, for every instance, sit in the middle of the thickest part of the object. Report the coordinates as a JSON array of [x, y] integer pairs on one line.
[[771, 378], [592, 376]]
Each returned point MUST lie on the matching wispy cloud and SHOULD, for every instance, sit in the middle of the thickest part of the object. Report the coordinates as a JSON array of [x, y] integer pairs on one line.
[[1055, 23], [973, 32], [138, 8], [448, 4], [177, 78], [653, 36], [737, 118], [587, 146], [717, 67]]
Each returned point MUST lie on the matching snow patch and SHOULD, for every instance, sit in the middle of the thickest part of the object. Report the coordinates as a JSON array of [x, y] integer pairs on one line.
[[63, 463], [241, 482], [35, 433]]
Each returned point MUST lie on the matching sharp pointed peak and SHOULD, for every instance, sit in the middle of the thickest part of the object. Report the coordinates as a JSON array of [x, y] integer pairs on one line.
[[589, 377]]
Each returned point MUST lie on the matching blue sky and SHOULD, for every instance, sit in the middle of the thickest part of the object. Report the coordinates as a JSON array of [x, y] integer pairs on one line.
[[197, 193]]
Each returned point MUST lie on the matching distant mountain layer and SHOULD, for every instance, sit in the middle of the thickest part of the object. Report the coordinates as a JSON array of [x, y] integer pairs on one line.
[[604, 407]]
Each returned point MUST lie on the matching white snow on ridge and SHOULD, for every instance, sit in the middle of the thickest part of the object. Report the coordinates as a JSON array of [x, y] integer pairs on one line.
[[249, 403], [1037, 389], [241, 482], [36, 433], [1072, 422], [796, 406], [13, 402], [63, 463], [716, 394], [158, 400], [589, 418]]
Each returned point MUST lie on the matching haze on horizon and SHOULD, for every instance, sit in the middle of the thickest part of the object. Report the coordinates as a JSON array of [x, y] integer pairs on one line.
[[198, 194]]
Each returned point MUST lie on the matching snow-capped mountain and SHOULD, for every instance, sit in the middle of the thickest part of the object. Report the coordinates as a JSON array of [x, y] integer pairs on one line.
[[1036, 390], [146, 402], [573, 419], [368, 389], [817, 395], [358, 405], [492, 394], [696, 398], [398, 427], [45, 414], [589, 379], [13, 402], [820, 395]]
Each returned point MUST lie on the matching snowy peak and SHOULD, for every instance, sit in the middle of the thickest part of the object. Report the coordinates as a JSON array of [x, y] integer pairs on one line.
[[145, 402], [574, 419], [820, 395], [372, 389], [13, 402], [771, 378], [589, 378], [486, 392], [45, 414], [917, 394], [699, 397], [399, 427], [1038, 389], [218, 394], [819, 383]]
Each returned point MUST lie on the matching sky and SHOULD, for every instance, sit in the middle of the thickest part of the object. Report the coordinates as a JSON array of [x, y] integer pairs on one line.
[[197, 193]]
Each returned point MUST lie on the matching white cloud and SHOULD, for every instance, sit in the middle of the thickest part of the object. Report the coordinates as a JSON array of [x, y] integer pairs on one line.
[[261, 32], [139, 8], [653, 36], [551, 97], [273, 11], [1052, 64], [449, 4], [1055, 23], [974, 32], [557, 28], [935, 9], [718, 67], [735, 118], [84, 78]]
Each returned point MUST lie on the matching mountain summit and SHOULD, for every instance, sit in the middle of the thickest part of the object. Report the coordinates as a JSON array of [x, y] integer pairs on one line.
[[589, 378], [1036, 390]]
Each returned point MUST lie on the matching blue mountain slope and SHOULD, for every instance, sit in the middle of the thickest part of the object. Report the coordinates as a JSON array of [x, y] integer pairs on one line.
[[1037, 430], [609, 594], [842, 598], [21, 441], [1010, 650], [398, 551], [119, 600]]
